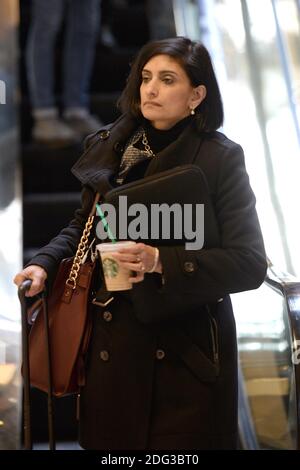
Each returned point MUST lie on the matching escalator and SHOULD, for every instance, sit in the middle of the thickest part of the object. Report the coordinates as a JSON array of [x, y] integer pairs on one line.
[[269, 356], [257, 62]]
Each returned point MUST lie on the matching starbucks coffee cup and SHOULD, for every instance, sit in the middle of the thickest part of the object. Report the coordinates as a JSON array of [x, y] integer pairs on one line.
[[116, 277]]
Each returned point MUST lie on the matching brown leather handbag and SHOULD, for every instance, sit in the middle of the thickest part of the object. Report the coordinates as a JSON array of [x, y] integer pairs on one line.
[[69, 324]]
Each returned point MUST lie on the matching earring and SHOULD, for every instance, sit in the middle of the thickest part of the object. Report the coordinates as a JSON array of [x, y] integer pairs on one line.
[[192, 112]]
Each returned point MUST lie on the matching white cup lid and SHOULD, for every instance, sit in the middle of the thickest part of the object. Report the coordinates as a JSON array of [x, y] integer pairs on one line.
[[107, 247]]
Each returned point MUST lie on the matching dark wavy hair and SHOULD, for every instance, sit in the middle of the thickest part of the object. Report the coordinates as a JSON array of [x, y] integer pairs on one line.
[[195, 60]]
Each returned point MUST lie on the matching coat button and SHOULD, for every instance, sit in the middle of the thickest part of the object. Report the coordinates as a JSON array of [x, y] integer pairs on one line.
[[103, 135], [160, 354], [189, 267], [104, 355], [107, 316]]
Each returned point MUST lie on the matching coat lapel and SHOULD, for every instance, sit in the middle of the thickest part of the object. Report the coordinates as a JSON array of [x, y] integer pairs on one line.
[[101, 161]]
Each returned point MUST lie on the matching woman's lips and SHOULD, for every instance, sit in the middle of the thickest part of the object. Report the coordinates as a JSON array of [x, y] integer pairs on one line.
[[150, 103]]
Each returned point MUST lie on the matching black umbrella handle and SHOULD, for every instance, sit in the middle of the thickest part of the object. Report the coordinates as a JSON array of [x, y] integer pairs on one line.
[[52, 443], [23, 288]]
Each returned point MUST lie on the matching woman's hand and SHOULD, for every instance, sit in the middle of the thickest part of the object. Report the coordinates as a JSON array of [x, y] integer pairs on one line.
[[38, 276], [139, 258]]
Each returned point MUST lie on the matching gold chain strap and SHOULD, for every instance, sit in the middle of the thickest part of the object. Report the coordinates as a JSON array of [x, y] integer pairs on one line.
[[81, 251], [145, 142]]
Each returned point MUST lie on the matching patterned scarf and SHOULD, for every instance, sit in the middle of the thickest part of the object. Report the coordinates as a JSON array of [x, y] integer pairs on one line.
[[132, 155]]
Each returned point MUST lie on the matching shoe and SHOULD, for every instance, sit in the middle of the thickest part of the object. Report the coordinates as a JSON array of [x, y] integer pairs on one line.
[[53, 132], [107, 38], [83, 123]]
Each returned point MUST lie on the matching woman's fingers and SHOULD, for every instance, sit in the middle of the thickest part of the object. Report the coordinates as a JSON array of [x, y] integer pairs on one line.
[[137, 266], [127, 258], [138, 258], [138, 278], [133, 249], [37, 286], [38, 277]]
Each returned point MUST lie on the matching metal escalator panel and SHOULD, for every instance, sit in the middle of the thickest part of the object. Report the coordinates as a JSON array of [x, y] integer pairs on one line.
[[265, 343]]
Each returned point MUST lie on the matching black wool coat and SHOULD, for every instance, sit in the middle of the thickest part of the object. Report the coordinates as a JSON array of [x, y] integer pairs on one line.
[[161, 372]]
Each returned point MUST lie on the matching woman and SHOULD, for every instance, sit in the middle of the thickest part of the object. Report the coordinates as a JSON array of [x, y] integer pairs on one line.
[[166, 378]]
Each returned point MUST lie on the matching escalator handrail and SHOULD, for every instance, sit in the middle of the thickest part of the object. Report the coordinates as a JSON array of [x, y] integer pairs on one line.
[[289, 287], [280, 280]]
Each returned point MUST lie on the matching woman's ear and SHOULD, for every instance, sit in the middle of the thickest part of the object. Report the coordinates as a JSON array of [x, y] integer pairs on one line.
[[198, 95]]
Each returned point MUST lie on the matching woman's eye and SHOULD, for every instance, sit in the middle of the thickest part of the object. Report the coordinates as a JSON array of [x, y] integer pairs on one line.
[[145, 79], [168, 80]]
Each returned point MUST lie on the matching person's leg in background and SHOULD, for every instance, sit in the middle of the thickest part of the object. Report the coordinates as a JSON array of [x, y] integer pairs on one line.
[[83, 22], [46, 19], [161, 19]]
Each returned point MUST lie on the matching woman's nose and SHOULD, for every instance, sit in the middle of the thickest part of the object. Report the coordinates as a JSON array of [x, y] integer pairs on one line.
[[152, 89]]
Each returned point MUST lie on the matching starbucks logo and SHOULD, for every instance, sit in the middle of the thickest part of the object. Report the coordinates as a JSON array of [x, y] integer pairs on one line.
[[110, 267]]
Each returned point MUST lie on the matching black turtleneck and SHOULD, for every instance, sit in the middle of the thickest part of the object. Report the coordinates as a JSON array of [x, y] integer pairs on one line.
[[159, 139]]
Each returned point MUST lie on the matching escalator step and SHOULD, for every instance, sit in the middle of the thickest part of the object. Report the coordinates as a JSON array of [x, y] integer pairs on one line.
[[45, 215], [49, 170]]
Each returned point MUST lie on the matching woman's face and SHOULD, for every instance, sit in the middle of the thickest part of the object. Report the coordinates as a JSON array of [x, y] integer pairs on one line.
[[166, 93]]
